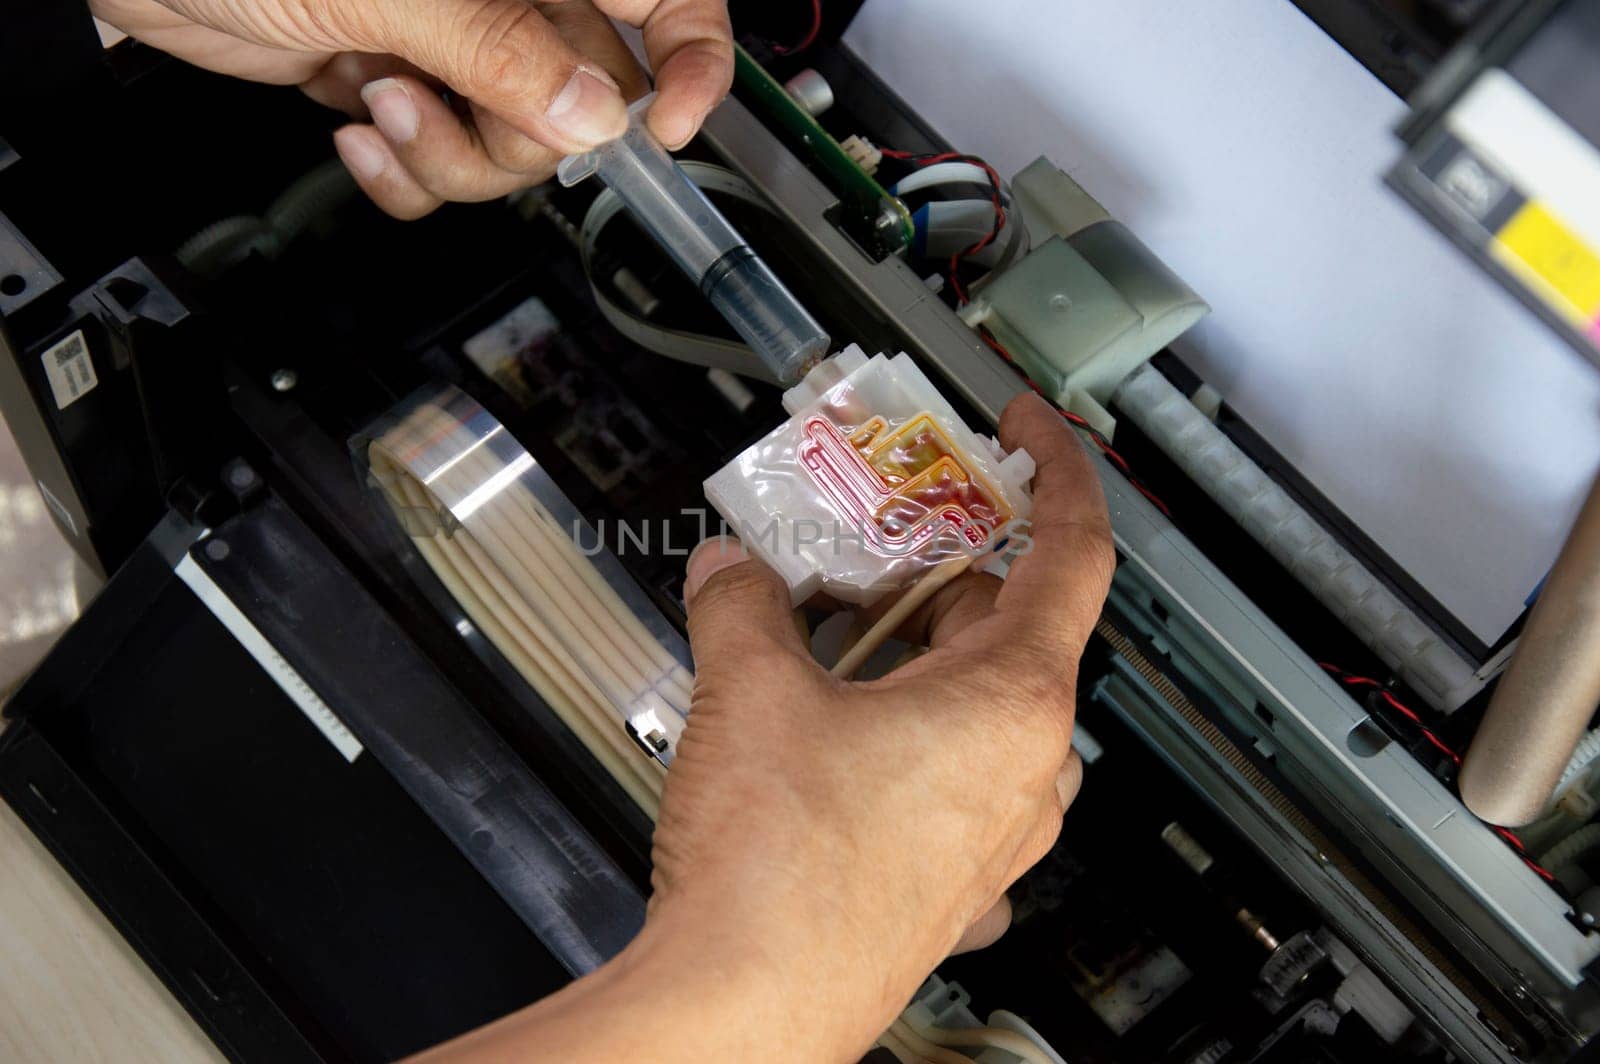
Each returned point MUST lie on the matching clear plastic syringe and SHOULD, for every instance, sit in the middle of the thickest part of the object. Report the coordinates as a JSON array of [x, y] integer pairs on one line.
[[674, 210]]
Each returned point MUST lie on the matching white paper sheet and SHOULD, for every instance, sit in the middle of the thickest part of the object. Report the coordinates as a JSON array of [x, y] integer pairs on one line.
[[1247, 149]]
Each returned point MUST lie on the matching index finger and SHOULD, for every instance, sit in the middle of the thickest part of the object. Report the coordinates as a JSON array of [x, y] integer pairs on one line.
[[1057, 586], [689, 44]]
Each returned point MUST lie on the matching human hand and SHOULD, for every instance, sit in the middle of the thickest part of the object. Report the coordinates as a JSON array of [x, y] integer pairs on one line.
[[823, 844], [532, 81], [850, 835]]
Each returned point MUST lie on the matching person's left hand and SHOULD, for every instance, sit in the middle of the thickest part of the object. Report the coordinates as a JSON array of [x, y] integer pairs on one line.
[[528, 82], [824, 844]]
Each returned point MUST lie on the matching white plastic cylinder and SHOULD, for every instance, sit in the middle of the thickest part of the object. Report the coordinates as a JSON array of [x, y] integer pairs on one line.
[[811, 91], [1338, 579]]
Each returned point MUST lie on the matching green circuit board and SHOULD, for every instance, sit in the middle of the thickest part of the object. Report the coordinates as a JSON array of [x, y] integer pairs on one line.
[[873, 218]]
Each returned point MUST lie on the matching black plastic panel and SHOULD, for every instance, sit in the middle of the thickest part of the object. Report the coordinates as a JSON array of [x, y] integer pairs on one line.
[[300, 906]]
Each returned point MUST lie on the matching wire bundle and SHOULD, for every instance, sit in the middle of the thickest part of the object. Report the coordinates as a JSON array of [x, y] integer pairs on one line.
[[520, 578], [996, 198]]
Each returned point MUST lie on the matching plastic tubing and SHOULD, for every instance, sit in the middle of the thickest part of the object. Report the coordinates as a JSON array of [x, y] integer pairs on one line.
[[539, 601]]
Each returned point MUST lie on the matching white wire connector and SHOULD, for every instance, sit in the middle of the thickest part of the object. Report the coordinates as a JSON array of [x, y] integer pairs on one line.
[[864, 152]]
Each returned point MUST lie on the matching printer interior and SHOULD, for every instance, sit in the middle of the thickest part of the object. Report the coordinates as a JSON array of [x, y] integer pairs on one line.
[[1268, 861]]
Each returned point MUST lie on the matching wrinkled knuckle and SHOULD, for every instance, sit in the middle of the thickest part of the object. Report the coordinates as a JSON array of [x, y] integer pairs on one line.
[[503, 153], [788, 672], [1043, 673], [317, 23], [718, 50], [468, 179], [969, 591], [501, 43], [1083, 587], [722, 608], [742, 581], [709, 626], [516, 154], [329, 20], [442, 174], [1087, 541], [1035, 688]]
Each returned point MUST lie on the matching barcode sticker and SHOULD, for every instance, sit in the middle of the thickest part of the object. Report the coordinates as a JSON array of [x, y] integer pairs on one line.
[[70, 370]]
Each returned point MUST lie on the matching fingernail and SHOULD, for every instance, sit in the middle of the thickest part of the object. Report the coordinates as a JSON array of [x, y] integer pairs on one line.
[[362, 151], [589, 109], [393, 110], [684, 131], [708, 559]]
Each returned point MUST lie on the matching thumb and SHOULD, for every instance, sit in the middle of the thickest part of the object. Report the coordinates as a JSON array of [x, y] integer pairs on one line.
[[509, 59], [738, 607]]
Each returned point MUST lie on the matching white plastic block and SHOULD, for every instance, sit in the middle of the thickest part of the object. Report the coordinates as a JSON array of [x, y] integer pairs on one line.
[[873, 480]]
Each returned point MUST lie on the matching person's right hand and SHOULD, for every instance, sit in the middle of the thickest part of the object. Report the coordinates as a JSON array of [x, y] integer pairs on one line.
[[532, 81]]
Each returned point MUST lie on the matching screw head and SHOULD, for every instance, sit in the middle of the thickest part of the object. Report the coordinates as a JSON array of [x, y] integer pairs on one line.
[[284, 380], [241, 476]]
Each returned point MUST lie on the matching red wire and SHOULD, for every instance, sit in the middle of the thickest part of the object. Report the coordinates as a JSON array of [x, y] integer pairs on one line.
[[1000, 213], [1094, 434], [989, 238], [1433, 740], [920, 160], [811, 35], [1522, 850]]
